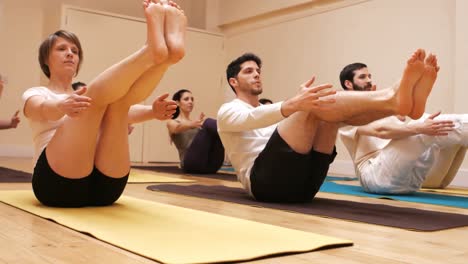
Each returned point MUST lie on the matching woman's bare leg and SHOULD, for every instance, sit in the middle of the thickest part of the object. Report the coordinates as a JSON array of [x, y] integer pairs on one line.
[[112, 150], [175, 27], [71, 152]]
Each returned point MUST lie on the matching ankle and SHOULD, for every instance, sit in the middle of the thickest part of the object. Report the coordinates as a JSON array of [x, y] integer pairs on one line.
[[176, 54]]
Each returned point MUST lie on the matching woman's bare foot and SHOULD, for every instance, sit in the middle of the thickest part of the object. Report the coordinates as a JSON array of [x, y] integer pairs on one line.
[[174, 31], [155, 16], [411, 75], [424, 86]]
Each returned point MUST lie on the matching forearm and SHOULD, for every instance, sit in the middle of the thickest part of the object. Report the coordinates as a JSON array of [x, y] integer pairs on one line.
[[50, 110], [259, 117], [289, 107], [140, 113], [388, 131], [181, 127], [5, 124]]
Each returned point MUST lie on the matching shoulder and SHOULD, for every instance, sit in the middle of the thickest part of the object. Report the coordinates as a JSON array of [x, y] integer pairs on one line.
[[232, 105], [172, 123], [39, 90]]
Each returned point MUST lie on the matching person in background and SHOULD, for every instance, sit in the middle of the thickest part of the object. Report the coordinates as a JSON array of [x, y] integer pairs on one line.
[[197, 140], [15, 119], [398, 155], [265, 101]]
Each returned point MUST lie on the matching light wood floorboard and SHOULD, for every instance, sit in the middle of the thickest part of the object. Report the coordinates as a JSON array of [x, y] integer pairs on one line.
[[25, 238]]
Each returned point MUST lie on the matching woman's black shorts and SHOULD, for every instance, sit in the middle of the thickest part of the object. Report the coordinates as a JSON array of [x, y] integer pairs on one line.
[[96, 189]]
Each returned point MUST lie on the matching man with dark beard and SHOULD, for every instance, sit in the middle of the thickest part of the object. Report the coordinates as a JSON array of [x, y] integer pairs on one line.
[[356, 77], [395, 155], [281, 152]]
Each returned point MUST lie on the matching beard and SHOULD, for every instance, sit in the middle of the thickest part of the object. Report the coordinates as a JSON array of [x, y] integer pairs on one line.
[[366, 87], [257, 91]]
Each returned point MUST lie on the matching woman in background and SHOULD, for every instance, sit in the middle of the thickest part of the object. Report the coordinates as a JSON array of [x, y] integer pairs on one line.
[[14, 120], [197, 141]]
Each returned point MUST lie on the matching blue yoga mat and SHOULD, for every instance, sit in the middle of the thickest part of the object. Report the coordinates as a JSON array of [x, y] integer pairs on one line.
[[228, 169], [418, 197]]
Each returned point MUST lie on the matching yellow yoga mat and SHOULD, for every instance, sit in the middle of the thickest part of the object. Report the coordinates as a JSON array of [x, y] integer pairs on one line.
[[137, 177], [172, 234], [449, 190]]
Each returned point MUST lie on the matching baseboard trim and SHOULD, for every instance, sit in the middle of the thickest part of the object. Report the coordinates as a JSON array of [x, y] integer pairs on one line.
[[461, 179], [345, 167], [342, 167]]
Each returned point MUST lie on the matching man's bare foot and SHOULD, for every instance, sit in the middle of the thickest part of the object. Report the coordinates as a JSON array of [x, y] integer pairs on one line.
[[155, 16], [175, 28], [424, 86], [411, 75]]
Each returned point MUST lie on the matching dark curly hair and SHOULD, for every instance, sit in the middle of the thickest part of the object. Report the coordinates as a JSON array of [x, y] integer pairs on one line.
[[234, 67]]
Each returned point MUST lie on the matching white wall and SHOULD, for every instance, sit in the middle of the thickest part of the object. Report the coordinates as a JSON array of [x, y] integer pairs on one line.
[[295, 38], [461, 73], [18, 61], [235, 11], [195, 10], [380, 33]]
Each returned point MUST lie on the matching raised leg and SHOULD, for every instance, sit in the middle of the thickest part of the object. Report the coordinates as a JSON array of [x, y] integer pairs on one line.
[[401, 167], [298, 131], [206, 153], [112, 147], [424, 86], [174, 34], [411, 75], [404, 164], [445, 167], [175, 28], [79, 134], [358, 108], [112, 150]]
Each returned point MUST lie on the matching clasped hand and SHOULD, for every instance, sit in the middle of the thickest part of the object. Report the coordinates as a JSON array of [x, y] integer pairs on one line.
[[75, 103]]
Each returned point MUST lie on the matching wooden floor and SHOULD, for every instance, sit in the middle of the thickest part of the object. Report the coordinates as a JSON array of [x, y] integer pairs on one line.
[[25, 238]]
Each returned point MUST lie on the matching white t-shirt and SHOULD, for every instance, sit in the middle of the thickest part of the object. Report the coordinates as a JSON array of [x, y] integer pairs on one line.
[[42, 130], [244, 131]]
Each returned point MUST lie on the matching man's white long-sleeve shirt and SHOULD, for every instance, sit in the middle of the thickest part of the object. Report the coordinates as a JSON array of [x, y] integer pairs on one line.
[[244, 131]]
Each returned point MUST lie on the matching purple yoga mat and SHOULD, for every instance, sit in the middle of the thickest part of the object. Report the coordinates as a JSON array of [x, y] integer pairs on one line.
[[378, 214], [176, 170], [11, 175]]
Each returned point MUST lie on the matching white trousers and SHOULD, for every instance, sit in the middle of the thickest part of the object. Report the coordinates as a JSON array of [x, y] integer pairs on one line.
[[404, 164]]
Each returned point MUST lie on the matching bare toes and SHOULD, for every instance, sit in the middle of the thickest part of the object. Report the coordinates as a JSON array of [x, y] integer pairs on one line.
[[422, 54], [413, 58]]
